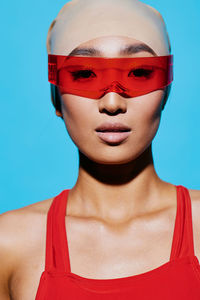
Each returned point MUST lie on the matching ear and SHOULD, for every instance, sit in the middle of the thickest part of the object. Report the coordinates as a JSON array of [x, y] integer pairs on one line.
[[58, 113]]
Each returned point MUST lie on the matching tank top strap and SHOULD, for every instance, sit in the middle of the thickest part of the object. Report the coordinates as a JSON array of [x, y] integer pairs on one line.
[[183, 244], [57, 254], [56, 244]]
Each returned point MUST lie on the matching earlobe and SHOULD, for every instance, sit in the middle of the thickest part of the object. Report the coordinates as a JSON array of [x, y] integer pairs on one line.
[[58, 113]]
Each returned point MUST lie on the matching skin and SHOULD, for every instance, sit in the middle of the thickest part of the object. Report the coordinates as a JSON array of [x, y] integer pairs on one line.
[[118, 198], [109, 174]]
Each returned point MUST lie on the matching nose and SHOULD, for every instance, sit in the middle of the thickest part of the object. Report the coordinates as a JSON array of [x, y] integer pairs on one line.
[[112, 103]]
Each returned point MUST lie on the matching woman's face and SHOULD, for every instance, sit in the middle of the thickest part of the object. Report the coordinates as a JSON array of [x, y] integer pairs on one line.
[[83, 115]]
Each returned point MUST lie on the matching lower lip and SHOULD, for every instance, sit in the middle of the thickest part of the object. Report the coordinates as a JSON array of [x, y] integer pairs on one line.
[[113, 137]]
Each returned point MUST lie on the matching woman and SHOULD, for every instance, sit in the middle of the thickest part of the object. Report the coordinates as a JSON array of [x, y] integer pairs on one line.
[[129, 233]]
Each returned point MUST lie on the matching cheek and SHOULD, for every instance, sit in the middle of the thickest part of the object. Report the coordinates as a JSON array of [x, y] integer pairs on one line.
[[142, 114], [149, 106], [147, 110], [77, 115]]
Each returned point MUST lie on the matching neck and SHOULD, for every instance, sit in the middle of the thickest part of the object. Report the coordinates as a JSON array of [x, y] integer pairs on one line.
[[117, 193]]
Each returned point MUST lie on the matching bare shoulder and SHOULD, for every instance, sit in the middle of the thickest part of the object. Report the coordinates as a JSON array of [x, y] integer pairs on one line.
[[20, 231], [195, 200], [15, 224], [194, 194], [16, 221]]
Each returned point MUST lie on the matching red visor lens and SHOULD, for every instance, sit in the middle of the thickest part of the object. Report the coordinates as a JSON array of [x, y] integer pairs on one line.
[[93, 77]]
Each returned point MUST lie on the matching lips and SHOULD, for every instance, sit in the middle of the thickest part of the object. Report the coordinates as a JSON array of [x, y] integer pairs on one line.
[[113, 133], [112, 127]]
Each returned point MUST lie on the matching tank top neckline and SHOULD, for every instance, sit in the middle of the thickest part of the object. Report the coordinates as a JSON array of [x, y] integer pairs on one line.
[[57, 252]]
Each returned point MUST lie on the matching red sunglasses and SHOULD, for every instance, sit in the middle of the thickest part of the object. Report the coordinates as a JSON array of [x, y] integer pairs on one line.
[[93, 77]]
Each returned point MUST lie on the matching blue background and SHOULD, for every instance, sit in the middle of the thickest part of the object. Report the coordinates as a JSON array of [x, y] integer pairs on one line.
[[38, 158]]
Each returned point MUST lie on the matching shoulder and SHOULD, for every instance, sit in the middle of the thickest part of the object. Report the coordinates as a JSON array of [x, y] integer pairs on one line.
[[17, 222], [194, 194], [195, 200], [21, 229]]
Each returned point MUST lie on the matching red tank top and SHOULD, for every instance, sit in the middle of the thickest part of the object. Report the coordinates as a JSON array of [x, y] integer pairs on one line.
[[179, 278]]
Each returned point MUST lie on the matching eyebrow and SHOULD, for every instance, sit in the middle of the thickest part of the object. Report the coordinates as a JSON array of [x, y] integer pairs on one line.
[[127, 50]]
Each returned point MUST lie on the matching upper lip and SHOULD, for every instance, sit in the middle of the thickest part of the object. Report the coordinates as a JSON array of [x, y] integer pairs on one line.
[[113, 127]]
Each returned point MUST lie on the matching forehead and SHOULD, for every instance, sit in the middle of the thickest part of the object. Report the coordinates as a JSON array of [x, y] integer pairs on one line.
[[110, 46], [80, 22]]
